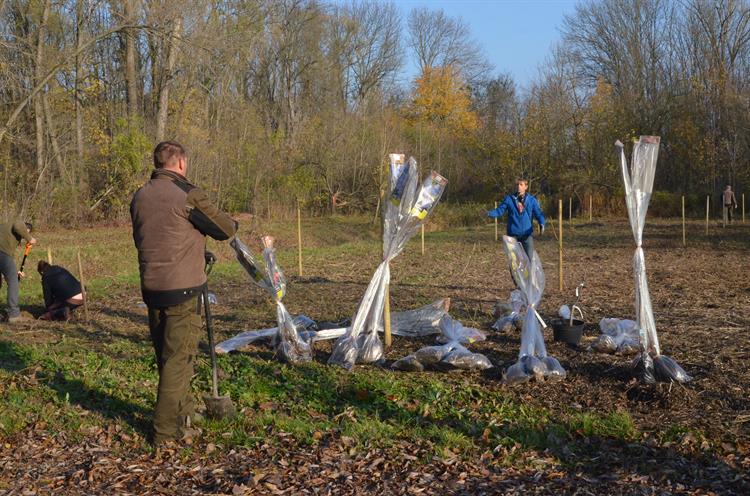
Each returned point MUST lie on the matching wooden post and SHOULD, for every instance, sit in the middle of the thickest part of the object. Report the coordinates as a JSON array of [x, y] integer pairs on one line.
[[387, 317], [83, 288], [743, 207], [49, 255], [591, 207], [422, 239], [299, 238], [570, 210], [708, 199], [683, 221], [560, 221]]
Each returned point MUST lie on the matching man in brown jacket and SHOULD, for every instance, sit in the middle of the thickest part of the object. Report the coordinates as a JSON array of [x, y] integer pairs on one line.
[[171, 218]]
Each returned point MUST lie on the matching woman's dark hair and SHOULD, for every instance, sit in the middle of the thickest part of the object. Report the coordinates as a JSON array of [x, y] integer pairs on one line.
[[42, 266]]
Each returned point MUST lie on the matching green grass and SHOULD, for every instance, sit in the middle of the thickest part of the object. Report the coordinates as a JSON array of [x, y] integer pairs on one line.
[[67, 388]]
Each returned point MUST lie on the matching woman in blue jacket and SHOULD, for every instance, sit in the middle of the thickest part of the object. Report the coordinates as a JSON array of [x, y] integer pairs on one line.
[[522, 208]]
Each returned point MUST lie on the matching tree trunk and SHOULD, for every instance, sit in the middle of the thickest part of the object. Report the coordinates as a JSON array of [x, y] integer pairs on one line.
[[53, 136], [78, 173], [131, 73], [38, 74], [162, 113]]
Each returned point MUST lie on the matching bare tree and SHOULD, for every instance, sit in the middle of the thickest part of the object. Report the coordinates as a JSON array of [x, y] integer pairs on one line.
[[130, 9], [439, 40], [167, 77], [368, 32], [38, 74]]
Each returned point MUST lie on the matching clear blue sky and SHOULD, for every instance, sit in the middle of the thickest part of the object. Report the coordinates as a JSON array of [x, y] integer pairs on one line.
[[516, 35]]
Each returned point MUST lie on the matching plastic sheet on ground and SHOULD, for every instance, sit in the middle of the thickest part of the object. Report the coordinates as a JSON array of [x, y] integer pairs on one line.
[[290, 344], [533, 360], [406, 208], [419, 322], [639, 181], [451, 352], [508, 314], [618, 336]]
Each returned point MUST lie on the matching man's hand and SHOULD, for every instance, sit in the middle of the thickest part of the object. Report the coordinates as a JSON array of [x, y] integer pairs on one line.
[[33, 241], [21, 275], [541, 229]]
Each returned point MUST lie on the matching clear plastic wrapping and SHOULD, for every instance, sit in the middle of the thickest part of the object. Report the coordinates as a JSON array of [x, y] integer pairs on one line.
[[508, 314], [462, 358], [422, 321], [408, 364], [533, 360], [639, 181], [452, 352], [406, 208], [454, 331], [618, 336], [291, 346]]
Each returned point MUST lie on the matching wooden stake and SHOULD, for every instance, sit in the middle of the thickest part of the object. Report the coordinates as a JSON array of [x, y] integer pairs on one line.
[[49, 255], [708, 199], [422, 239], [299, 237], [570, 210], [591, 207], [83, 288], [387, 317], [560, 221], [683, 221], [743, 208], [743, 203]]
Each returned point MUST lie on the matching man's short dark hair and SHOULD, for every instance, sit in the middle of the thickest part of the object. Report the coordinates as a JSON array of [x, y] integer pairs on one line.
[[166, 151]]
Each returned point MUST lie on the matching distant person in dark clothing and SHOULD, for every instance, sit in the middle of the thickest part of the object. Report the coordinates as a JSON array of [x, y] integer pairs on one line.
[[62, 291], [729, 202]]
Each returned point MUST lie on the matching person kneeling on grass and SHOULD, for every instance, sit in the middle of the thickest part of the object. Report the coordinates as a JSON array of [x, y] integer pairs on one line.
[[522, 208], [62, 291]]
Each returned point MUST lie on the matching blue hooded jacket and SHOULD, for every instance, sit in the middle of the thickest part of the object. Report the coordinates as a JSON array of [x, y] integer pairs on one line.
[[519, 224]]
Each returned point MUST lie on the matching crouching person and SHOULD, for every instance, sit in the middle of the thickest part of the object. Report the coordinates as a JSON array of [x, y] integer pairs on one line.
[[171, 219], [62, 292]]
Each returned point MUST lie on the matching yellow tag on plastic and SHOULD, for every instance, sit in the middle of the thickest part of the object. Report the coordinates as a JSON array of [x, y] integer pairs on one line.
[[419, 214]]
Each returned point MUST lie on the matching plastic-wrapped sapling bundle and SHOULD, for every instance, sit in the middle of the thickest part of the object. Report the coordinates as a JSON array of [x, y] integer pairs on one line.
[[618, 336], [290, 345], [508, 314], [461, 357], [308, 330], [405, 210], [533, 360], [639, 181], [422, 321], [452, 352]]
